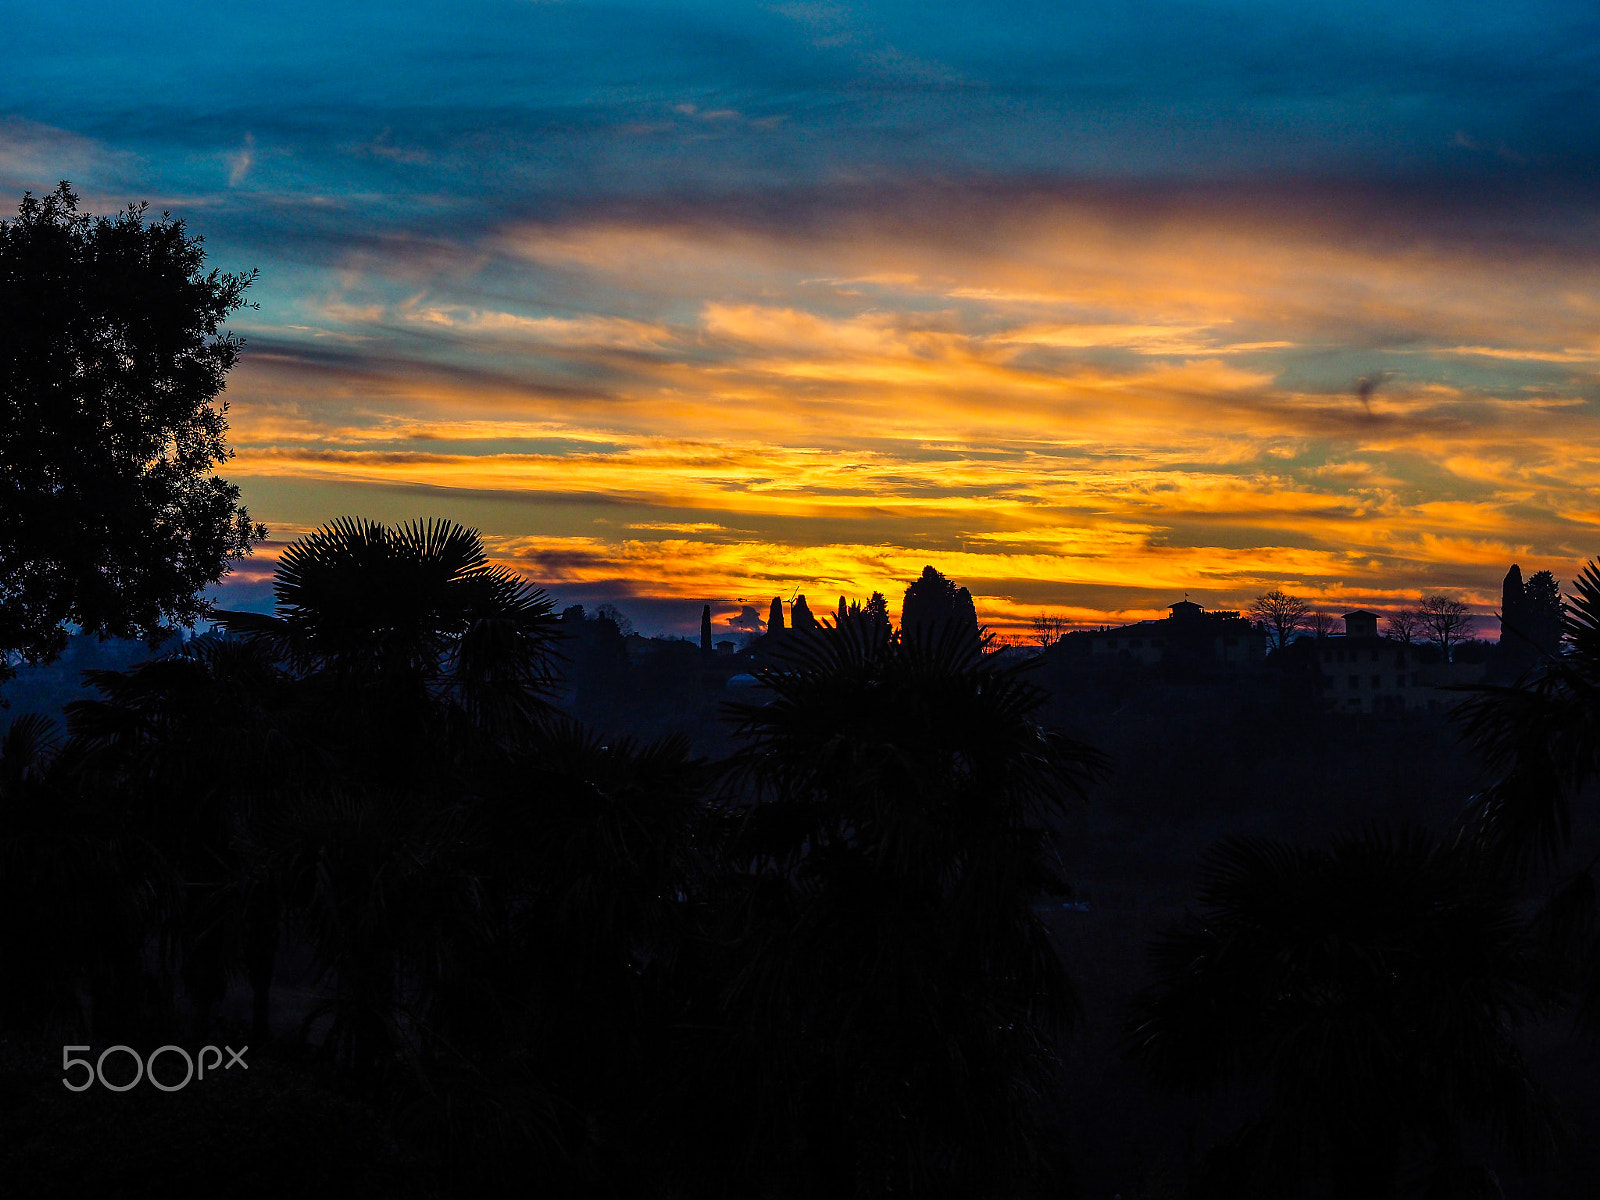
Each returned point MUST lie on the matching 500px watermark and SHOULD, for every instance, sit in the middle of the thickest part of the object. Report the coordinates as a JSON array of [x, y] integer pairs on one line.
[[146, 1067]]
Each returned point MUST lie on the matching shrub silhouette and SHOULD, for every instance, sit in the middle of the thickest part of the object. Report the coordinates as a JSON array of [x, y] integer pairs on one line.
[[1369, 992]]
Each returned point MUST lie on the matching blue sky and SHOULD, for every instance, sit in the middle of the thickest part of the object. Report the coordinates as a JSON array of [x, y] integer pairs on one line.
[[714, 301]]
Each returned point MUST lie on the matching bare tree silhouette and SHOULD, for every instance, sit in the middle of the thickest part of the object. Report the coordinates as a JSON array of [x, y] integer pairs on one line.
[[1282, 615], [1446, 621]]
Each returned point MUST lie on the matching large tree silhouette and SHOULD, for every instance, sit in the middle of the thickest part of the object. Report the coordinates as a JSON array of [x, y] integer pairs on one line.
[[1446, 622], [934, 604], [1282, 615], [1541, 737], [111, 361]]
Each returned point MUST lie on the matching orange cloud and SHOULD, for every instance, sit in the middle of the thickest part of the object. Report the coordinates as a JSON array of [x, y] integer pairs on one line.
[[1068, 405]]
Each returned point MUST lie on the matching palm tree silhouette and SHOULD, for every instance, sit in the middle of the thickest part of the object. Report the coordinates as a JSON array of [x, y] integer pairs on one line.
[[1542, 735], [899, 991], [417, 655], [414, 619], [1368, 993]]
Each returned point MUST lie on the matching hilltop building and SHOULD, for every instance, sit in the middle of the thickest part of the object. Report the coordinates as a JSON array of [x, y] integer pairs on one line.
[[1366, 673], [1191, 635]]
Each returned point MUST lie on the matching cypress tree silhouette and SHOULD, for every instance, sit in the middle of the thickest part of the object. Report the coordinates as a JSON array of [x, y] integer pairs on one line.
[[705, 630], [1513, 599], [775, 616], [1515, 652], [800, 616]]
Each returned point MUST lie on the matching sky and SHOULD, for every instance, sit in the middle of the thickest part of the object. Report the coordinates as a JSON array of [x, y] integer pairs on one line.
[[1090, 307]]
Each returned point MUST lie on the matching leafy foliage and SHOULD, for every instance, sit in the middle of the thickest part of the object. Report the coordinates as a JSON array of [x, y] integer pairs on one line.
[[412, 611], [111, 361], [933, 604]]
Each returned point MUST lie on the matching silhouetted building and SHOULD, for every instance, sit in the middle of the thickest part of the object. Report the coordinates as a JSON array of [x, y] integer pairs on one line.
[[1365, 673], [1191, 636]]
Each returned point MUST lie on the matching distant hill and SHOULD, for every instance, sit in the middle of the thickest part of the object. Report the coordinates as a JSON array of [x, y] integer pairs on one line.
[[47, 690]]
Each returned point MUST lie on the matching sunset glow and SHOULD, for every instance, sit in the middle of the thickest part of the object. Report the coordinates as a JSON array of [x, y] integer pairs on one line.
[[722, 334]]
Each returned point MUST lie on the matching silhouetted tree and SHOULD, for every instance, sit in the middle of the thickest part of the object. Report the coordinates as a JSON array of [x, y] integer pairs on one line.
[[1282, 615], [1370, 991], [1530, 623], [419, 657], [800, 615], [705, 630], [1049, 629], [1540, 737], [870, 620], [933, 604], [1322, 624], [413, 616], [111, 362], [1513, 595], [876, 614], [1405, 625], [1543, 612], [1446, 621], [610, 612], [902, 997], [775, 616]]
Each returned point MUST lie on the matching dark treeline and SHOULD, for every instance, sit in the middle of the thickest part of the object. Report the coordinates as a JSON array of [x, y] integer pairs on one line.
[[496, 905], [542, 953], [476, 943]]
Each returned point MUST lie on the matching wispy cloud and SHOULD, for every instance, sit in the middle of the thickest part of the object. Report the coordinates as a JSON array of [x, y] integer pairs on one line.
[[723, 300]]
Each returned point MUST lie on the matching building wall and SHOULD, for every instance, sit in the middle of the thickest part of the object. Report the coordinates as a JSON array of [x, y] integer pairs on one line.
[[1147, 645], [1377, 675], [1141, 645]]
